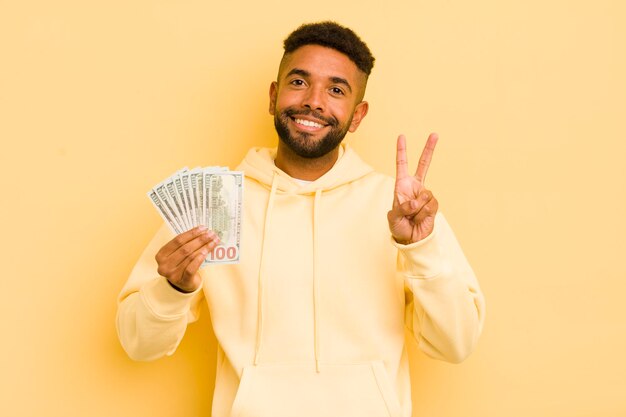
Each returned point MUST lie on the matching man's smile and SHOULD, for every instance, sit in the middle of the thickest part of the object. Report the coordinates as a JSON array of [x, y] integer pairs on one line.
[[307, 124]]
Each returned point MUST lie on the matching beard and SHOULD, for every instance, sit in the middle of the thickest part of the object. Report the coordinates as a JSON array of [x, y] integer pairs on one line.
[[301, 143]]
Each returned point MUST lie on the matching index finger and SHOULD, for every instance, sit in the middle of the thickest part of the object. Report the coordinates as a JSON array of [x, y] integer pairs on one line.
[[426, 157], [401, 162]]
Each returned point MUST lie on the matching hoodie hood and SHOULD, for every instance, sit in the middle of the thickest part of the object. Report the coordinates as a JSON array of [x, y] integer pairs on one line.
[[259, 166]]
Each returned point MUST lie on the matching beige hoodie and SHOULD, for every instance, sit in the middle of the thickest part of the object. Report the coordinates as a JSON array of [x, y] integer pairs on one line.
[[311, 321]]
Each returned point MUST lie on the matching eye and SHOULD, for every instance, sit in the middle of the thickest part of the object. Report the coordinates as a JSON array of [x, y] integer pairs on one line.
[[297, 82], [337, 91]]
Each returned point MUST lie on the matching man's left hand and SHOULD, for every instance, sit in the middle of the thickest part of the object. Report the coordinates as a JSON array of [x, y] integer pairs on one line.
[[412, 216]]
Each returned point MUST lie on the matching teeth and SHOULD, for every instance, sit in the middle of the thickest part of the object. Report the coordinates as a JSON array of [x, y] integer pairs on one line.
[[308, 123]]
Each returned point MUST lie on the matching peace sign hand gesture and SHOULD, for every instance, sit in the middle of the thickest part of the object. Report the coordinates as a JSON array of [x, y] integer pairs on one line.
[[412, 216]]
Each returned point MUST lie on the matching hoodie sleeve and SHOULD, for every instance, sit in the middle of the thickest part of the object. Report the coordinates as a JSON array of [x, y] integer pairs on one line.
[[151, 315], [445, 307]]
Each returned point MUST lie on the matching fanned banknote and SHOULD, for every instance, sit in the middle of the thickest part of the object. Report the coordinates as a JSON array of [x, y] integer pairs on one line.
[[209, 196]]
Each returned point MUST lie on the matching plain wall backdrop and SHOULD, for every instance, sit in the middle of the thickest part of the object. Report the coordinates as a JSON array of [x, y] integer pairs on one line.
[[101, 100]]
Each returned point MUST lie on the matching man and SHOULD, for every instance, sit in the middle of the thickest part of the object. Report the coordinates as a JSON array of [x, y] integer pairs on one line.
[[311, 321]]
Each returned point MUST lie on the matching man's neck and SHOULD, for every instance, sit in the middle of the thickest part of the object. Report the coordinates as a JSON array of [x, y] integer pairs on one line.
[[308, 169]]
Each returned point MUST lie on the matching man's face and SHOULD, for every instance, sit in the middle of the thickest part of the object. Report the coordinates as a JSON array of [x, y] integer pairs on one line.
[[317, 100]]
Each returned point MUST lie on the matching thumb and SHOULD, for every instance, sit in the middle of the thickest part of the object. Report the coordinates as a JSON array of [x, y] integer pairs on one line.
[[408, 208], [400, 211]]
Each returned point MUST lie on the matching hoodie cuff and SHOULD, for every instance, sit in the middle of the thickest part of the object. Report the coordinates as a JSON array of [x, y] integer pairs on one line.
[[422, 259], [164, 300]]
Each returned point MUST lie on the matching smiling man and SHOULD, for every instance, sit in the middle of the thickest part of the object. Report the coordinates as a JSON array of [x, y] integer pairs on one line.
[[337, 260]]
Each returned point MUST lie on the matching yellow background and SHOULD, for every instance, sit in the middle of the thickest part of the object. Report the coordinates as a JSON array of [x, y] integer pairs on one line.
[[101, 100]]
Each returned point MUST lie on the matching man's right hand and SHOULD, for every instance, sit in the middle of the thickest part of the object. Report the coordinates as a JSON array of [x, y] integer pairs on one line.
[[180, 258]]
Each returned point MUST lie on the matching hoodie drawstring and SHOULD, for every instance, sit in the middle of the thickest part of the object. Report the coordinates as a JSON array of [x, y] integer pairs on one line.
[[266, 227], [316, 293]]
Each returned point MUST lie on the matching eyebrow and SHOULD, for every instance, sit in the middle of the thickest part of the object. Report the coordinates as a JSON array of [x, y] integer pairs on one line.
[[305, 73]]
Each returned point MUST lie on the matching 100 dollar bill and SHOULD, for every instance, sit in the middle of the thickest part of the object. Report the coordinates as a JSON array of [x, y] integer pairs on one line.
[[223, 194]]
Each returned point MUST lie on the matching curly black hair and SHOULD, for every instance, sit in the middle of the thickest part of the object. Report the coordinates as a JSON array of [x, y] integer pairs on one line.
[[332, 35]]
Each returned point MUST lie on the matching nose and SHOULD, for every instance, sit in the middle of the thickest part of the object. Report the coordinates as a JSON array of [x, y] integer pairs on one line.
[[314, 99]]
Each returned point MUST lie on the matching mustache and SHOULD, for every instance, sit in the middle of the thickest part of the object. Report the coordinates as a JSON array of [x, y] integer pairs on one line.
[[331, 121]]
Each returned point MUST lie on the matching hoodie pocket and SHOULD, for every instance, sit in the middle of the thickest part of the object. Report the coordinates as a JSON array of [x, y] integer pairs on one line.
[[361, 390]]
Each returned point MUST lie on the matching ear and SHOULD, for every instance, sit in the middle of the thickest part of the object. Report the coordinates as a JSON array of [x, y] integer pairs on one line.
[[273, 94], [360, 112]]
